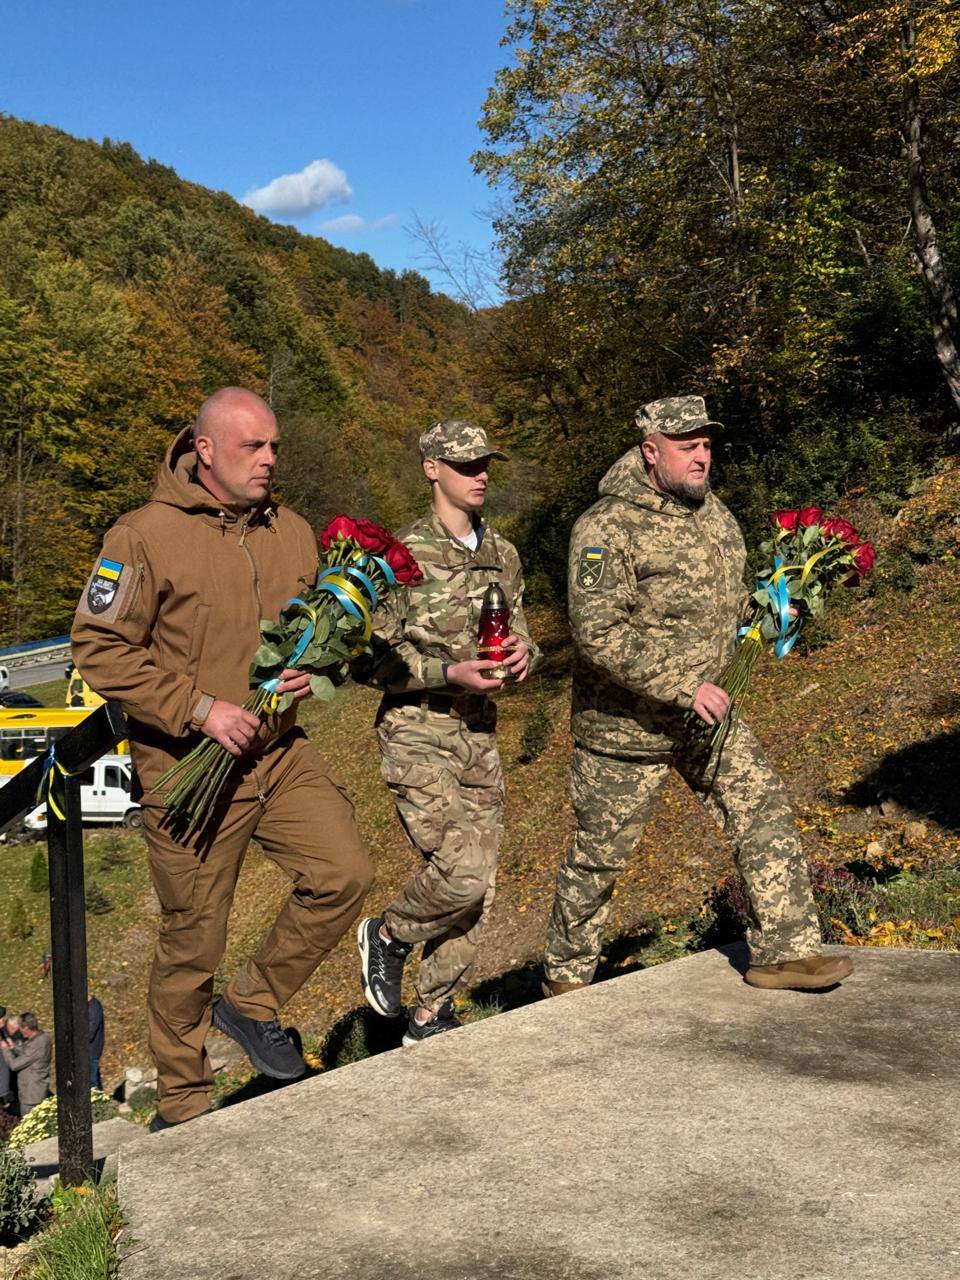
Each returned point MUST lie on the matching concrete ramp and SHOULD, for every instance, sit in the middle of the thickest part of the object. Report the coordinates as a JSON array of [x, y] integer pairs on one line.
[[671, 1123]]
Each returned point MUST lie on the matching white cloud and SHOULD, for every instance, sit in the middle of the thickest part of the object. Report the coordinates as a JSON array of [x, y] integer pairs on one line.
[[295, 195], [351, 223], [346, 224]]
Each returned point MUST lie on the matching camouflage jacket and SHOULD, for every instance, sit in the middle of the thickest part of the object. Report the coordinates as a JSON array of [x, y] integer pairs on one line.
[[418, 629], [656, 595]]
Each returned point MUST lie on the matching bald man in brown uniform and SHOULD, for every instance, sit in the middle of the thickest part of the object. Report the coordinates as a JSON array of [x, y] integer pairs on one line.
[[168, 625]]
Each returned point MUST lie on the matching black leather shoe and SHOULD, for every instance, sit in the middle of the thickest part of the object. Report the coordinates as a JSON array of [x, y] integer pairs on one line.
[[264, 1043]]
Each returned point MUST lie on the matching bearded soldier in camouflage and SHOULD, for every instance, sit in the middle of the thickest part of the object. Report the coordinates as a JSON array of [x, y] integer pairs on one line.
[[436, 729], [656, 597]]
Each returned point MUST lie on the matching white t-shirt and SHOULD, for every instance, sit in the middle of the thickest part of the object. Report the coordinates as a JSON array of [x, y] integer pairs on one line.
[[470, 539]]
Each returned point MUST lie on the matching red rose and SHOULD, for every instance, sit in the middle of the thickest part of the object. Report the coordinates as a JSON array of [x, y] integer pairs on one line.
[[402, 563], [863, 558], [841, 529], [372, 537], [810, 515], [339, 527], [787, 520]]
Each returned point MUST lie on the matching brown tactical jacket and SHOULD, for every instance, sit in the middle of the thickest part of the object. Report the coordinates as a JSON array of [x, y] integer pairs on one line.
[[656, 594], [170, 616]]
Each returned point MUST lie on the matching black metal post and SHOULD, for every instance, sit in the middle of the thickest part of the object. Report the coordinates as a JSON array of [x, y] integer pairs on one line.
[[69, 949]]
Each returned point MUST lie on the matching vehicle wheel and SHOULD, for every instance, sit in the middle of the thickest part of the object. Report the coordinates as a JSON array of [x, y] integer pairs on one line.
[[133, 819]]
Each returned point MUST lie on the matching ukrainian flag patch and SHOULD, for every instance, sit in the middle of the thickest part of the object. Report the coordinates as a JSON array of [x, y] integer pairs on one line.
[[591, 567], [104, 585]]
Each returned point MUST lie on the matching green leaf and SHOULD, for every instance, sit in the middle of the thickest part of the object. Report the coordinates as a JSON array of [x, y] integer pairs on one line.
[[322, 688], [267, 656]]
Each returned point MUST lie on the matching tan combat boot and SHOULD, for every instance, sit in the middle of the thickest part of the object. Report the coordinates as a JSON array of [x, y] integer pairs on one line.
[[812, 973], [550, 988]]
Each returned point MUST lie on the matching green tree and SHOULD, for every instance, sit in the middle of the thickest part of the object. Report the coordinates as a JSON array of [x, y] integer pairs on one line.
[[19, 926], [39, 873]]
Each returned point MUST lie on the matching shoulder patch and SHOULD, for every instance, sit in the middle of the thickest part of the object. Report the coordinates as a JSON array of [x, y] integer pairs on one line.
[[591, 567], [104, 584]]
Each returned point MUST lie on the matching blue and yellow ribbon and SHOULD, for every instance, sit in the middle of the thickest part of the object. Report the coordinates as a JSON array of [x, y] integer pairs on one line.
[[53, 771], [355, 592], [271, 686], [778, 591]]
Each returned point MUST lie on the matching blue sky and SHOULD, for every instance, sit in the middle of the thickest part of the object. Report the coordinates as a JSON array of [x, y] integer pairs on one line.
[[236, 94]]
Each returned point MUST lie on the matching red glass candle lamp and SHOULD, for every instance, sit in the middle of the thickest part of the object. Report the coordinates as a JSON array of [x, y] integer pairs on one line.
[[494, 629]]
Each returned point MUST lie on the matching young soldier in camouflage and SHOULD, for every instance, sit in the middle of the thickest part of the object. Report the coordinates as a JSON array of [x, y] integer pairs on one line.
[[436, 729], [656, 596]]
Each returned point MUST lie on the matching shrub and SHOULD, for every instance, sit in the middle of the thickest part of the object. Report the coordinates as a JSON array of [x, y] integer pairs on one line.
[[359, 1034], [842, 898], [19, 926], [724, 915], [19, 1211], [930, 528], [113, 853], [932, 902], [42, 1121], [837, 893], [143, 1098], [98, 903], [894, 574], [81, 1242], [39, 874]]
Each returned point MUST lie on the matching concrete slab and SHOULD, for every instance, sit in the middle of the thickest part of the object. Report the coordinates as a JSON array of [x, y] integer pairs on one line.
[[108, 1137], [668, 1124]]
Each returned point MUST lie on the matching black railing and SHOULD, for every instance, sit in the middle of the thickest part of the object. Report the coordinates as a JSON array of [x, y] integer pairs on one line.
[[76, 751]]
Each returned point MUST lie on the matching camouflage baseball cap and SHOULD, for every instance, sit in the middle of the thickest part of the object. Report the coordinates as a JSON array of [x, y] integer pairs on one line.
[[456, 440], [674, 416]]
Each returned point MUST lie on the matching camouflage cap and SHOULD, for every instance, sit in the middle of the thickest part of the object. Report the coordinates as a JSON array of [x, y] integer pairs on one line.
[[456, 440], [674, 416]]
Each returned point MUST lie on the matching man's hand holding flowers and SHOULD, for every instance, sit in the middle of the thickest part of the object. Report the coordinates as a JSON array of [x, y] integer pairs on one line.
[[315, 638], [806, 557]]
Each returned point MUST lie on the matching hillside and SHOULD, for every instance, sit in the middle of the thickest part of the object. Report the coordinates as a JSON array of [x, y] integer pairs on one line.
[[864, 726], [128, 294]]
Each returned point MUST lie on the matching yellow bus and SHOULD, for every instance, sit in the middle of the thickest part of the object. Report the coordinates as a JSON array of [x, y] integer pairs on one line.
[[79, 693], [27, 732]]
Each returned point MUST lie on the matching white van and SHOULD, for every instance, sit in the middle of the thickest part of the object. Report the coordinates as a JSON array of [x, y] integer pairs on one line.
[[104, 796], [4, 679]]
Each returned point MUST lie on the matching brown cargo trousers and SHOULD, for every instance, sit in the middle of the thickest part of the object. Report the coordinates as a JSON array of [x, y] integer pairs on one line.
[[445, 777], [306, 825]]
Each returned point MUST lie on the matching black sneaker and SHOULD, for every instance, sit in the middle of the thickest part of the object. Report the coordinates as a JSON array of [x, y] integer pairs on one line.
[[381, 966], [445, 1020], [264, 1043]]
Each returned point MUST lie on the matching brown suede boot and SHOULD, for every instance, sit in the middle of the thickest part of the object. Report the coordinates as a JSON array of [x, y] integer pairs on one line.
[[559, 988], [812, 973]]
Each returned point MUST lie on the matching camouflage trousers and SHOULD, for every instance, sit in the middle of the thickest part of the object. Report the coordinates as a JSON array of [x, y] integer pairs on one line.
[[445, 777], [611, 799]]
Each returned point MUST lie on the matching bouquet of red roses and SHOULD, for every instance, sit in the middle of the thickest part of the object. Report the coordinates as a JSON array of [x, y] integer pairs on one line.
[[807, 556], [320, 630]]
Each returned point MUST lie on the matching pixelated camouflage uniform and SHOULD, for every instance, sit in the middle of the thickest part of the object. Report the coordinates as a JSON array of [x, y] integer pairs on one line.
[[438, 747], [656, 596]]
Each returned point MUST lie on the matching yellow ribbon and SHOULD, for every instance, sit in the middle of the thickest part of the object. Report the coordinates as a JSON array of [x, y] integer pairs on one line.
[[303, 610], [46, 790], [805, 569], [359, 599]]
